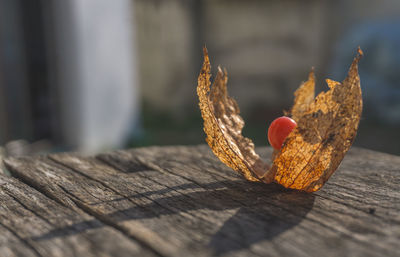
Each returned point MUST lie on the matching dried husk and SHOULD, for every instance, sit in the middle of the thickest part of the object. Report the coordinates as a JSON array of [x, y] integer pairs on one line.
[[327, 126], [223, 126]]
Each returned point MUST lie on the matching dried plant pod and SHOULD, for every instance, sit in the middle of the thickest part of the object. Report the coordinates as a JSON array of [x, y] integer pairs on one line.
[[325, 131], [327, 126], [223, 126], [303, 97]]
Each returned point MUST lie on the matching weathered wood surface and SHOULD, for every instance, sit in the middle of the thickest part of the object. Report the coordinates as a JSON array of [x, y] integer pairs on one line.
[[181, 201]]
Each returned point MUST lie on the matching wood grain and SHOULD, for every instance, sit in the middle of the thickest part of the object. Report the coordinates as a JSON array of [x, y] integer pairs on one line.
[[33, 225], [181, 201]]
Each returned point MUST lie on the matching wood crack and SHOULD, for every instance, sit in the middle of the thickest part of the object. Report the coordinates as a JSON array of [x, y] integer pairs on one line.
[[160, 251], [26, 207], [365, 210], [103, 184], [23, 240], [29, 182]]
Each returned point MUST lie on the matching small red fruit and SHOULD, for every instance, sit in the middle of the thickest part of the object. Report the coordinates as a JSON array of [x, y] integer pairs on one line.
[[279, 129]]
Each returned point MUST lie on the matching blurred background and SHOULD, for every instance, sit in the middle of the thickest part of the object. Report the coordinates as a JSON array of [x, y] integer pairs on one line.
[[95, 75]]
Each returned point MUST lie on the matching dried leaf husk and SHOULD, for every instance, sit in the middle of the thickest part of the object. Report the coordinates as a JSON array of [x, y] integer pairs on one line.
[[326, 128], [223, 126], [303, 97]]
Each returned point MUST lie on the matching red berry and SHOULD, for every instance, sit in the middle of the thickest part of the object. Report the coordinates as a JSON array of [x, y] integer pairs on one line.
[[279, 129]]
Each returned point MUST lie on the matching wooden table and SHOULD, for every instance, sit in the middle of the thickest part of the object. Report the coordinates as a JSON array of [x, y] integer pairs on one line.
[[181, 201]]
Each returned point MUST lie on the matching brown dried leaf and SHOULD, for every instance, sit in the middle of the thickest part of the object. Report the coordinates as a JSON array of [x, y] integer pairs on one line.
[[326, 129], [304, 96], [223, 126]]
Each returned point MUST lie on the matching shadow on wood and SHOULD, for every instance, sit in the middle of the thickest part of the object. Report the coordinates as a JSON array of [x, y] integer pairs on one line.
[[260, 212], [262, 220]]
